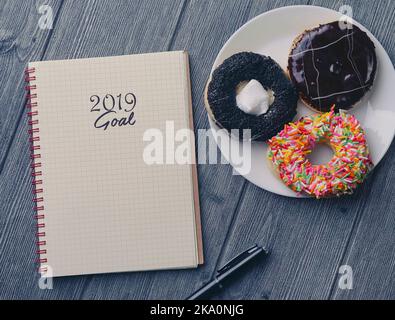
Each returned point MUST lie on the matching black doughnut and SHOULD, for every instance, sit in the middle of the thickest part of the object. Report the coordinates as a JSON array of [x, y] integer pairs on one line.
[[221, 95]]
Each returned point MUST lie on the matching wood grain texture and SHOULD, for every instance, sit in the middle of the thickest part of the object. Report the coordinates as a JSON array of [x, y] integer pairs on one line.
[[371, 249], [308, 239], [21, 40]]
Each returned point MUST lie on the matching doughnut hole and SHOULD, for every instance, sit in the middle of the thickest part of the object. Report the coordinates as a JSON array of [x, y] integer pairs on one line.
[[321, 154], [242, 85], [270, 92]]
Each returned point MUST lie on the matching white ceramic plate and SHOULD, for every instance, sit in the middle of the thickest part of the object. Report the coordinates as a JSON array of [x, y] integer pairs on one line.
[[272, 34]]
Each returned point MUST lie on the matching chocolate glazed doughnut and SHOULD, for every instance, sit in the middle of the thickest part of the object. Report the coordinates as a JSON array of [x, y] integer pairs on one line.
[[332, 66], [221, 95]]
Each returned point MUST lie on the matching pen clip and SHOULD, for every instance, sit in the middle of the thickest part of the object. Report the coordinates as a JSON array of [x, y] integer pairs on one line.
[[237, 259]]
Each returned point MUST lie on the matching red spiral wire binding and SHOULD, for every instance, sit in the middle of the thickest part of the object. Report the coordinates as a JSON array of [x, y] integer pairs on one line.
[[37, 182]]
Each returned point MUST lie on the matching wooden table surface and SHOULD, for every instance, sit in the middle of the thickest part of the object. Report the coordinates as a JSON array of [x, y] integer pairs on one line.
[[309, 240]]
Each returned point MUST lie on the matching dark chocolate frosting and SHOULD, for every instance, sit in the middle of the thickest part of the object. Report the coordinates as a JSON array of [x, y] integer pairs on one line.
[[333, 66]]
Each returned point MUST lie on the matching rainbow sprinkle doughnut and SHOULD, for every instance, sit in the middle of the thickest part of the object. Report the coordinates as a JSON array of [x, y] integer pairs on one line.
[[348, 167]]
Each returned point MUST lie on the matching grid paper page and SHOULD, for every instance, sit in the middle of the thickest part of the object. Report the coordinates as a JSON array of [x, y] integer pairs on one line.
[[106, 210]]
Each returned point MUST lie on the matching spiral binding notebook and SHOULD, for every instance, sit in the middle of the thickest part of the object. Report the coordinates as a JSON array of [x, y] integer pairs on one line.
[[107, 195]]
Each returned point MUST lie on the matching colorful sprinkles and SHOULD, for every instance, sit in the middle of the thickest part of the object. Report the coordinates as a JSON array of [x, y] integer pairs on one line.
[[349, 166]]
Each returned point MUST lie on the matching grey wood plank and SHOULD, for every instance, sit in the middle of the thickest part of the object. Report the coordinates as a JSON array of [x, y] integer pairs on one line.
[[202, 23], [21, 40], [307, 238], [371, 250], [105, 28], [92, 28]]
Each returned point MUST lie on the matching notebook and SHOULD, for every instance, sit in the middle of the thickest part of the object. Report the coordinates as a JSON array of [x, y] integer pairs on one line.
[[108, 197]]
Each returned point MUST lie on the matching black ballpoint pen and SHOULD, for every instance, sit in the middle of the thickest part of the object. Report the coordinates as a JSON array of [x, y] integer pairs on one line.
[[228, 272]]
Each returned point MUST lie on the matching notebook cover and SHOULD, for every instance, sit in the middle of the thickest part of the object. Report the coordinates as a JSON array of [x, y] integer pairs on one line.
[[58, 84]]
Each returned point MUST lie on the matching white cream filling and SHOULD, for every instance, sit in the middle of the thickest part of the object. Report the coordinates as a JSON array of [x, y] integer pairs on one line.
[[254, 99]]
